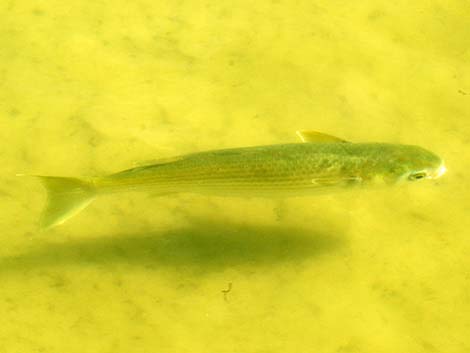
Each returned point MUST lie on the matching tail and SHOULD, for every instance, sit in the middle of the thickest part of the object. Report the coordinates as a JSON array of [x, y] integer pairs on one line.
[[65, 198]]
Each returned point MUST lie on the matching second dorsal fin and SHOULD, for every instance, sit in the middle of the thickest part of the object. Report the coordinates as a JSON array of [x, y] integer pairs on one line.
[[317, 137], [158, 161]]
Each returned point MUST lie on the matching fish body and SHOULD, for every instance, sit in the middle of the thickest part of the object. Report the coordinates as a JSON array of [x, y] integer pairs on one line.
[[322, 163], [286, 169]]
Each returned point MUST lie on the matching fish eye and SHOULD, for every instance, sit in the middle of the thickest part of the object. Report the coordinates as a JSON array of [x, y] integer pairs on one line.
[[417, 176]]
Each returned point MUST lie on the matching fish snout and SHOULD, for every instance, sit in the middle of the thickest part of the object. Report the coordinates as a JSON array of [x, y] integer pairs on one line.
[[439, 171]]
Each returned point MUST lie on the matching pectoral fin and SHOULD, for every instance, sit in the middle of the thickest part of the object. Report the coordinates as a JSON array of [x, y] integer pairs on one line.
[[336, 181], [316, 137]]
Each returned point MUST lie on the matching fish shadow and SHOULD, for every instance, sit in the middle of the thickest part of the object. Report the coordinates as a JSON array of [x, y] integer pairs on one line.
[[202, 246]]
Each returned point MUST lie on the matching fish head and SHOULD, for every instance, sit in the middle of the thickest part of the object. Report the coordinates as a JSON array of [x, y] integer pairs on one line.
[[413, 163]]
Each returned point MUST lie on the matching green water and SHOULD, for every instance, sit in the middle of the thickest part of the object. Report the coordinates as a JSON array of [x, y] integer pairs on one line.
[[89, 88]]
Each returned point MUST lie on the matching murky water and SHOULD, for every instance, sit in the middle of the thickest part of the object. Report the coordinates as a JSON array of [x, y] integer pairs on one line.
[[89, 88]]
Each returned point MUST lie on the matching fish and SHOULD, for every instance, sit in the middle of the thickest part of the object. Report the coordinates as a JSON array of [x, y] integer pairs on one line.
[[320, 163]]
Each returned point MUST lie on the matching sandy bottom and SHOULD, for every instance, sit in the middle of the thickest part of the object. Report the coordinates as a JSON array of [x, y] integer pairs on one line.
[[89, 88]]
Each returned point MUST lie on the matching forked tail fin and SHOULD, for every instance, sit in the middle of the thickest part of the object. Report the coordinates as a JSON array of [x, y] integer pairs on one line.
[[65, 198]]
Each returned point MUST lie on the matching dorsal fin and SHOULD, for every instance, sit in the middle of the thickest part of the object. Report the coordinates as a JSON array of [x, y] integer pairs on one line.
[[148, 164], [316, 137]]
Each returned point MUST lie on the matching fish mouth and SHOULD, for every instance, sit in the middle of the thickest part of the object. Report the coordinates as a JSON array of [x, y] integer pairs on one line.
[[440, 171]]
